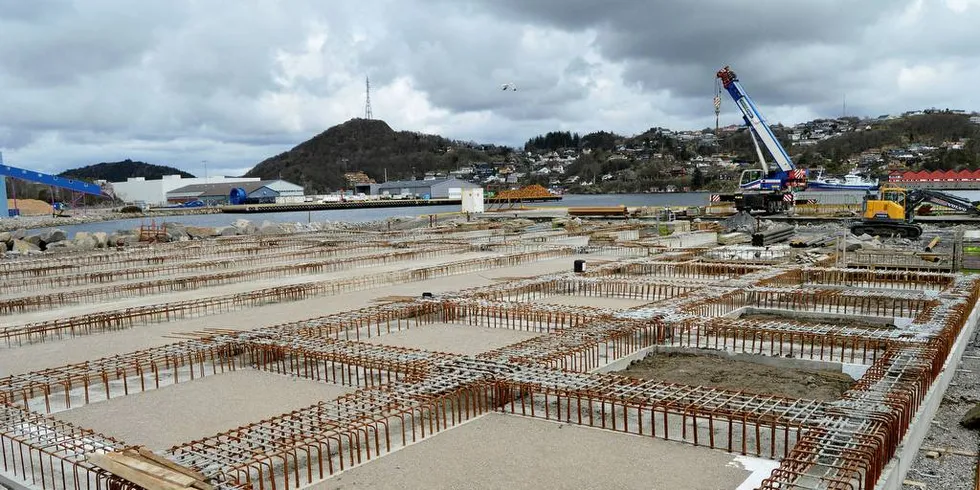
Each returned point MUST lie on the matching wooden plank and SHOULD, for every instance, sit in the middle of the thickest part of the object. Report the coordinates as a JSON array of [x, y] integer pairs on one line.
[[153, 469], [146, 453], [144, 480]]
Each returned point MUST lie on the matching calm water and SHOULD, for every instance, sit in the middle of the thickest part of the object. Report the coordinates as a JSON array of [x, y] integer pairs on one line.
[[362, 215]]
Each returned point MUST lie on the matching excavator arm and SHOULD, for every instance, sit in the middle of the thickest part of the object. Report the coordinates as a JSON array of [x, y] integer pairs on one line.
[[918, 197]]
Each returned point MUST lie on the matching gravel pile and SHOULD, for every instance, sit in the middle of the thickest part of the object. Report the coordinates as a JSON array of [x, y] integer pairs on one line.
[[937, 465]]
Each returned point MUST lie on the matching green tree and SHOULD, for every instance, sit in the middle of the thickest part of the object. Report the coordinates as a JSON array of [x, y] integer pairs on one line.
[[697, 179]]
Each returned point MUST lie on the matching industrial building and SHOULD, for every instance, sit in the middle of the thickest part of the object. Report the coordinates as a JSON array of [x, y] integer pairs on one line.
[[258, 191], [936, 179], [154, 192], [433, 188]]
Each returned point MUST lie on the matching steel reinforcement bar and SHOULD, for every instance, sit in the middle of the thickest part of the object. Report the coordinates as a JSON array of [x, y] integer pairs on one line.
[[385, 319], [583, 348], [49, 454], [689, 270], [652, 290], [832, 301], [130, 317], [752, 424], [817, 341], [61, 388], [47, 301], [51, 281], [310, 444], [852, 445], [864, 278], [159, 254]]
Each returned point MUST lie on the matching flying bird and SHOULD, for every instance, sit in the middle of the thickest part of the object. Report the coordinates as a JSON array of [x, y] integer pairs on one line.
[[508, 86]]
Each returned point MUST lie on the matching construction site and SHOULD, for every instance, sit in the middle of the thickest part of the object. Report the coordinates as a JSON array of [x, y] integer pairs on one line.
[[489, 353]]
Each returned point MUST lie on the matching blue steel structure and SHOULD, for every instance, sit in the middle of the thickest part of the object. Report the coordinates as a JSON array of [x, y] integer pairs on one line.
[[41, 178], [773, 188]]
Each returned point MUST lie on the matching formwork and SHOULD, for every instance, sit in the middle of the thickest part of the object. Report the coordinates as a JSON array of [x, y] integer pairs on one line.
[[405, 395]]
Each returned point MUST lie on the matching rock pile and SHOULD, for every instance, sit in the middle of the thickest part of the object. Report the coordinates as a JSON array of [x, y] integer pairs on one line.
[[18, 242]]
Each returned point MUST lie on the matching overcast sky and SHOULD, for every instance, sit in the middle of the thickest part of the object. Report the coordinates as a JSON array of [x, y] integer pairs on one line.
[[180, 82]]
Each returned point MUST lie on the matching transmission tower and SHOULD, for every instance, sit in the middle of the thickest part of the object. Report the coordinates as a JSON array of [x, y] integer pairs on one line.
[[367, 99]]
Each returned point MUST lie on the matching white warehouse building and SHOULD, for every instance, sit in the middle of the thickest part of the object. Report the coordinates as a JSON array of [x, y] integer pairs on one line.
[[154, 192]]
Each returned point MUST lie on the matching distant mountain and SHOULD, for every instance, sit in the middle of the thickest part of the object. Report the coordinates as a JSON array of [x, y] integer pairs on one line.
[[120, 171], [372, 147]]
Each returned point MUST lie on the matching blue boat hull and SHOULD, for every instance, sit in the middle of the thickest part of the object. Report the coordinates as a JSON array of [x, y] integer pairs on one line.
[[823, 186]]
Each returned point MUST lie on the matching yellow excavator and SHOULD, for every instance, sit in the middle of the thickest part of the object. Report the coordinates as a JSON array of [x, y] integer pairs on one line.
[[893, 212]]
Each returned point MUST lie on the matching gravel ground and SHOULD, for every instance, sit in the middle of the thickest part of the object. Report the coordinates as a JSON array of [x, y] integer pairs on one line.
[[951, 471], [731, 374]]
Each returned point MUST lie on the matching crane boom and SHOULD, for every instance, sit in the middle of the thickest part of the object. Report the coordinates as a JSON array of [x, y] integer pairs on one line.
[[754, 119]]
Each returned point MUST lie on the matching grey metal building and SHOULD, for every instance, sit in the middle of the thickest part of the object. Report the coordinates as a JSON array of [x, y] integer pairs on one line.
[[217, 194]]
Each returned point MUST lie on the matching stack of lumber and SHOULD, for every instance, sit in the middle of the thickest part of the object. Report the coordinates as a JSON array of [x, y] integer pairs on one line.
[[142, 467], [598, 211], [529, 192]]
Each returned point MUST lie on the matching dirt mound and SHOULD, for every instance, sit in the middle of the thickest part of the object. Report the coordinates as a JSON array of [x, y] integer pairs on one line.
[[720, 371], [30, 207]]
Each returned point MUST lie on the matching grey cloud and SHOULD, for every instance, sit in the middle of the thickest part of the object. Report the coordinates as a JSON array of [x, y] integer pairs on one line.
[[183, 81]]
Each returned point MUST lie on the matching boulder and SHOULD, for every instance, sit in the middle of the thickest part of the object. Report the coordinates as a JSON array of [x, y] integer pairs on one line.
[[24, 247], [83, 241], [244, 227], [228, 231], [101, 239], [200, 232], [60, 245], [269, 228], [972, 418], [6, 236], [55, 235], [121, 238], [19, 234], [34, 240], [177, 235]]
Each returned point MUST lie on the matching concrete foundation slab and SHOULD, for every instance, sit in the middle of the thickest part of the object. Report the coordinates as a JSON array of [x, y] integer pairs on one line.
[[515, 452], [190, 410], [454, 338]]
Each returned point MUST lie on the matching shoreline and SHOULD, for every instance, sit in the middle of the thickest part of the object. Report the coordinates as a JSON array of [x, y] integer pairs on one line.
[[93, 216]]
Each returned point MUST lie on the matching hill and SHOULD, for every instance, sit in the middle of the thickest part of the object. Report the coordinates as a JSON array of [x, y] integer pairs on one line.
[[120, 171], [372, 147], [930, 129]]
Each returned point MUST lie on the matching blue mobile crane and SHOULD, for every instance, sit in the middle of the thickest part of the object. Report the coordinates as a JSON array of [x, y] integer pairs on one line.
[[765, 189]]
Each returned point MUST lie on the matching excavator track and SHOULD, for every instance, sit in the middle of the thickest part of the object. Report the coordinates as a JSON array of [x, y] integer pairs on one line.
[[904, 230]]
